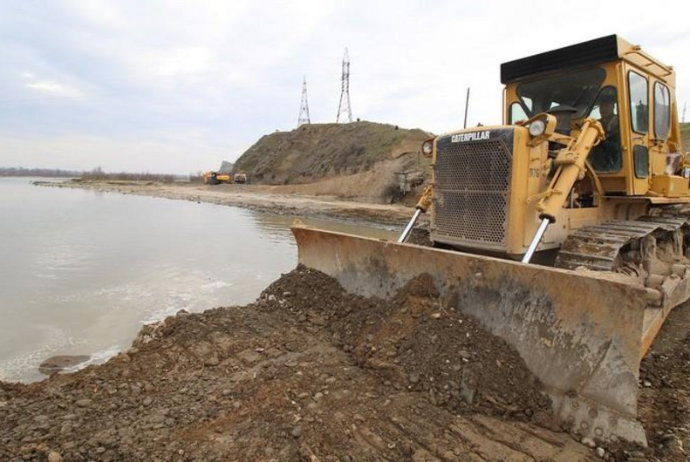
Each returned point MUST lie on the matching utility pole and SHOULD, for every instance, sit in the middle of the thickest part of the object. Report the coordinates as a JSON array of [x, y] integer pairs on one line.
[[467, 105], [344, 108], [685, 106], [304, 106]]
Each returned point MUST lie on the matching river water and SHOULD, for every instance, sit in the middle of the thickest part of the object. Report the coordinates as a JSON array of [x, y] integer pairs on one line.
[[81, 271]]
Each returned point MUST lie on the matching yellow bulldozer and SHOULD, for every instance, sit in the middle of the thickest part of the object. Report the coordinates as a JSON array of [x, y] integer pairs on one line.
[[564, 231]]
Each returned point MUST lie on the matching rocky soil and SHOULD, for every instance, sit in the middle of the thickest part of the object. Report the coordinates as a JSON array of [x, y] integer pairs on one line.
[[664, 403], [311, 373], [307, 372]]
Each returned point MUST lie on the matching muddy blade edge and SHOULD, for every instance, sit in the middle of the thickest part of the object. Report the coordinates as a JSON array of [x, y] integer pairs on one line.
[[579, 334]]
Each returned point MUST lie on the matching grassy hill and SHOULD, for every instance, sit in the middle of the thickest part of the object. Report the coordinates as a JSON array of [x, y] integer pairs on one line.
[[314, 152]]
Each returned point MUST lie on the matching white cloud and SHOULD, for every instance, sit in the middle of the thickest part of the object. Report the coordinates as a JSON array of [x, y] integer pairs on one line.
[[53, 88], [49, 87]]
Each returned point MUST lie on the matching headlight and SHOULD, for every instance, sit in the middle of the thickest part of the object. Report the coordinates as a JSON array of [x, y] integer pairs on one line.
[[428, 148], [537, 127]]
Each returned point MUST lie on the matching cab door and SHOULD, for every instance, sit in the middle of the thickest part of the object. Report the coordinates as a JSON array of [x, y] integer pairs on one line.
[[637, 119], [660, 125]]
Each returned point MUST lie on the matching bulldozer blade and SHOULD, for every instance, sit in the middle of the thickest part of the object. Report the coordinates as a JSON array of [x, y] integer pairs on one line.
[[581, 335]]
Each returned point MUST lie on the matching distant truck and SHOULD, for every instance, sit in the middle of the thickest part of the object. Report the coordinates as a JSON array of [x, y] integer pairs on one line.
[[214, 178], [240, 178]]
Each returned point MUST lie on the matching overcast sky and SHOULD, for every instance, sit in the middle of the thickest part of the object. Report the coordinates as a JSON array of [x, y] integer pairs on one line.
[[179, 86]]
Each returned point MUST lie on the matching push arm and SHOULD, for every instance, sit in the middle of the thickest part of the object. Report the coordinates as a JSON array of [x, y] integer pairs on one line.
[[421, 207], [571, 166]]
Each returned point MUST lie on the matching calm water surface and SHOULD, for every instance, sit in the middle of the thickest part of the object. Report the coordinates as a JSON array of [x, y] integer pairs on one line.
[[81, 271]]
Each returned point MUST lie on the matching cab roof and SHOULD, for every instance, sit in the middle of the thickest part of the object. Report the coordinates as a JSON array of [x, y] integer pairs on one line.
[[583, 54]]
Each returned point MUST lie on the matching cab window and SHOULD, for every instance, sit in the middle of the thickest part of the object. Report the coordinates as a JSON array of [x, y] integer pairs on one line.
[[517, 113], [606, 156], [662, 111], [639, 105], [577, 89]]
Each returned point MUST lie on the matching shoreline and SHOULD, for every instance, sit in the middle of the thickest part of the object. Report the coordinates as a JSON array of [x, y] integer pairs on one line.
[[267, 199]]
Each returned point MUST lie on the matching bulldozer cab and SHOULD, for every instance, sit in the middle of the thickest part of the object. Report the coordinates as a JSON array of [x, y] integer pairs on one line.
[[629, 92]]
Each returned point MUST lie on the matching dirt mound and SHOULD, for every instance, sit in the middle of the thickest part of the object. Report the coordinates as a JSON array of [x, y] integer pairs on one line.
[[414, 343], [316, 152], [306, 373]]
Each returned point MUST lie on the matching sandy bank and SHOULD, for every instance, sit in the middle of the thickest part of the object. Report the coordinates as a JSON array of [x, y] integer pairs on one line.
[[273, 199]]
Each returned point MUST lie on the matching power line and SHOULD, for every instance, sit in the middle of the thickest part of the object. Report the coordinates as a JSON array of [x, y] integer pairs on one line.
[[304, 106], [344, 108]]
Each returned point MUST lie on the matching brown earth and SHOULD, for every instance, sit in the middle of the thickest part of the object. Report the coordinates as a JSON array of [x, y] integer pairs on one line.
[[309, 372], [305, 373], [664, 403]]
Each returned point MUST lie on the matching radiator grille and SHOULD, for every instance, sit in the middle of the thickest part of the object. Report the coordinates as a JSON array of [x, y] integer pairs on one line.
[[472, 191]]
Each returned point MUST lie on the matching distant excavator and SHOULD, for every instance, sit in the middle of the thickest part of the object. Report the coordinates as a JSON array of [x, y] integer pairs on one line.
[[564, 231], [214, 178]]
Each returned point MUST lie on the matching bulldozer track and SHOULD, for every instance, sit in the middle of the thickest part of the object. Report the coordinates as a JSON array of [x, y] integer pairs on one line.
[[598, 248]]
